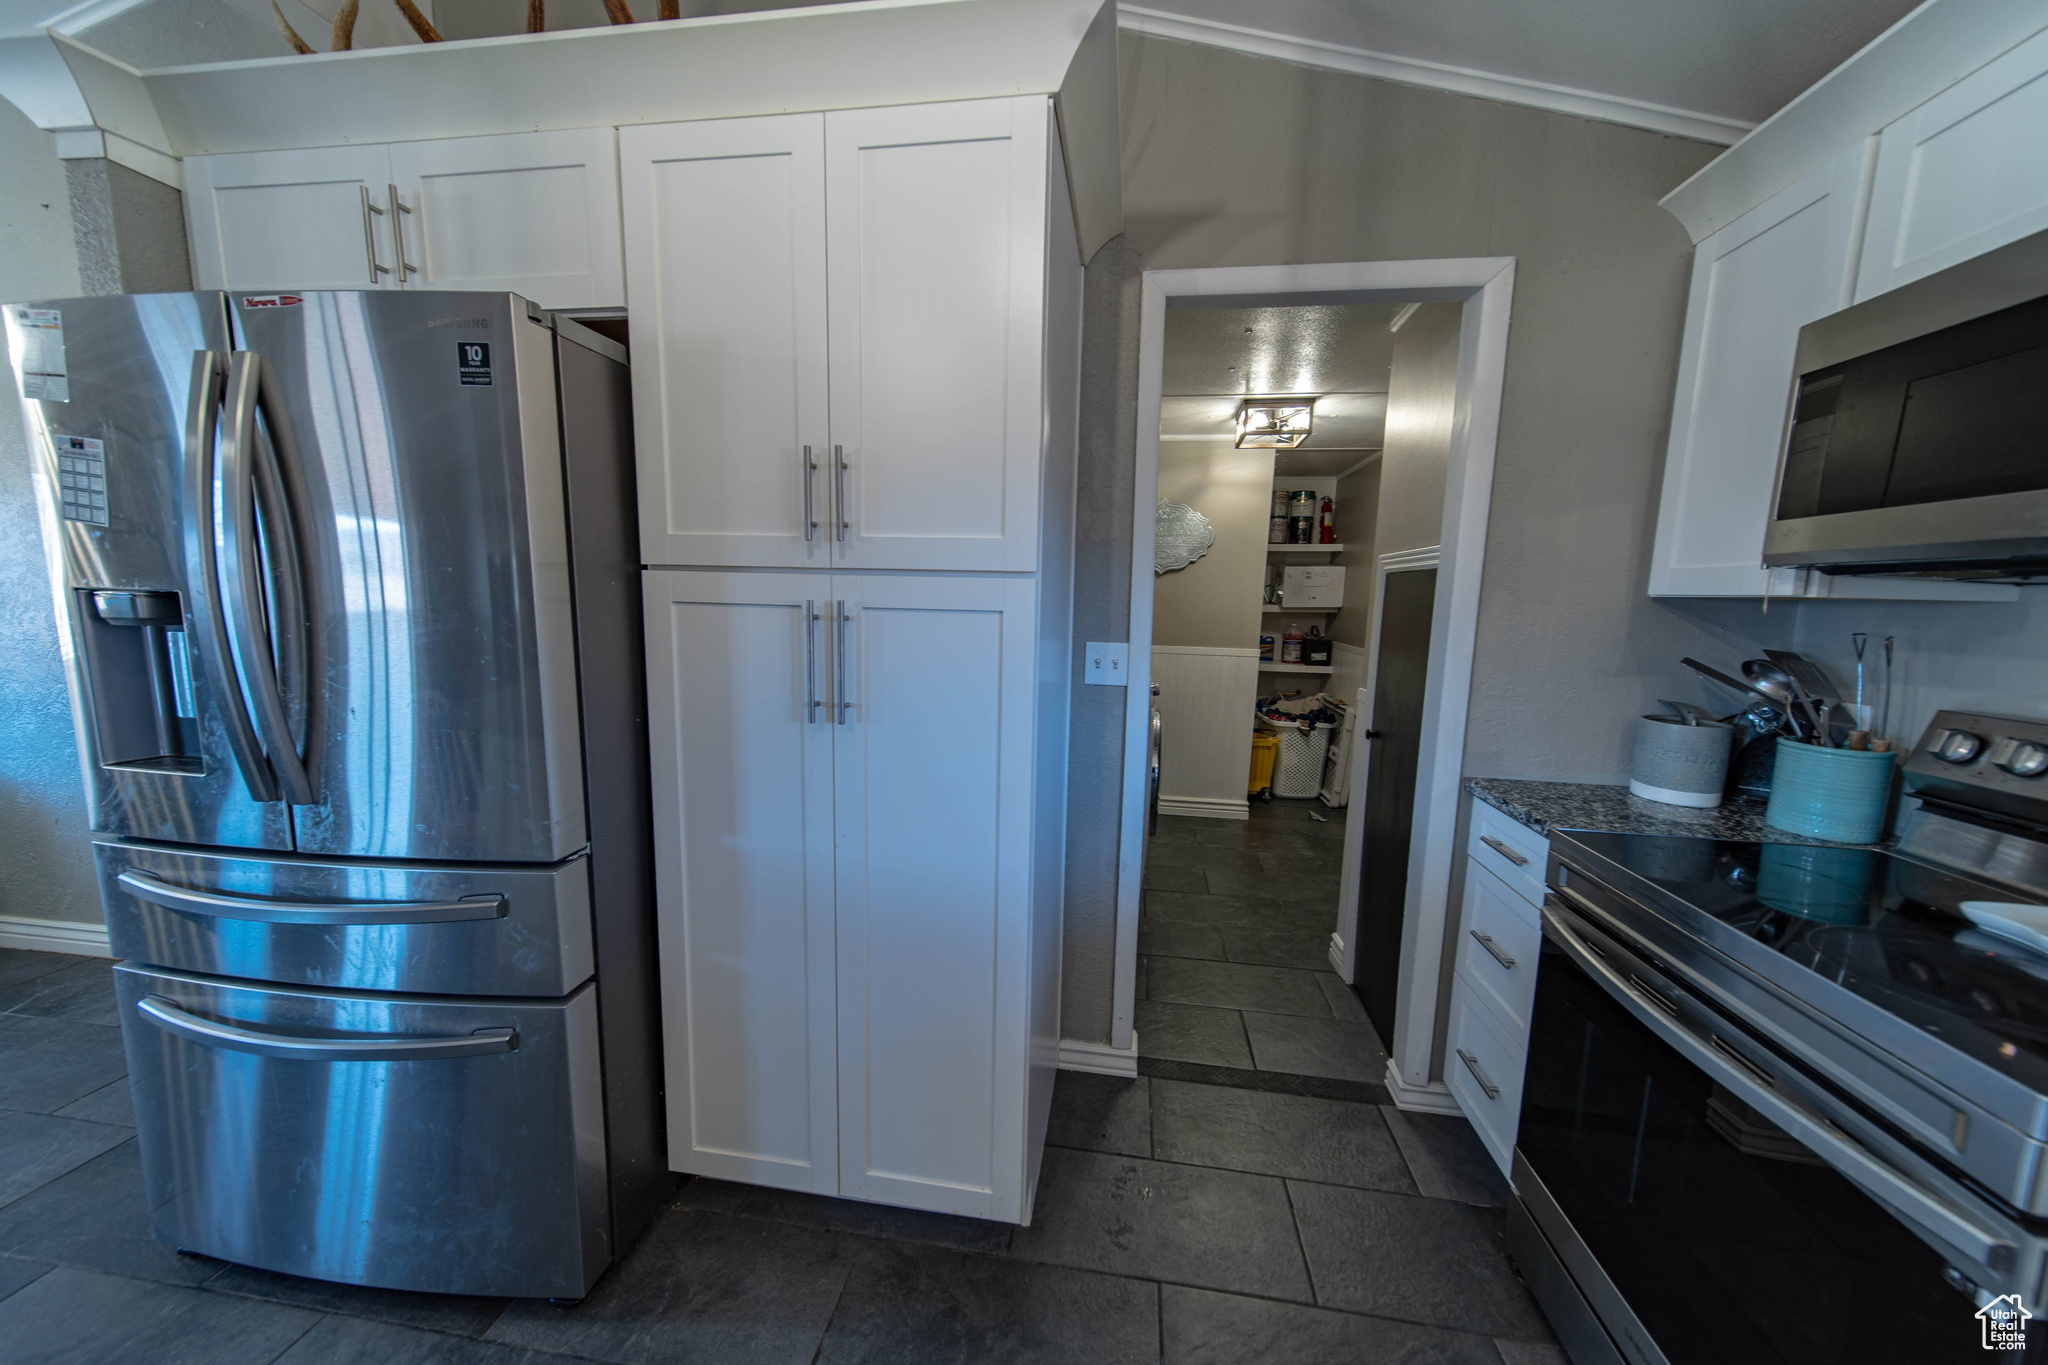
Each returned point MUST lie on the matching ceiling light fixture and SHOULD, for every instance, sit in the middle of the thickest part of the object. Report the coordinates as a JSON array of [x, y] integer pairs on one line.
[[1280, 423]]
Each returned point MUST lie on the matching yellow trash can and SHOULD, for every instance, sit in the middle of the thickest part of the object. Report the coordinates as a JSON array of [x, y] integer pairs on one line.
[[1265, 756]]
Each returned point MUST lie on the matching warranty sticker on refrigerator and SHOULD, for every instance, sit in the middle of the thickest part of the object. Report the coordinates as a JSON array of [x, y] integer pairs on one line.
[[473, 361], [37, 335]]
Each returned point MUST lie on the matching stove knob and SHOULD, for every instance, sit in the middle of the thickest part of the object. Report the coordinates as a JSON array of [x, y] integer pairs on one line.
[[2026, 760], [1957, 746]]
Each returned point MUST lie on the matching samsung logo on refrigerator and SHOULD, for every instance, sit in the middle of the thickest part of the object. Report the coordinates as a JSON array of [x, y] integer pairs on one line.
[[271, 300]]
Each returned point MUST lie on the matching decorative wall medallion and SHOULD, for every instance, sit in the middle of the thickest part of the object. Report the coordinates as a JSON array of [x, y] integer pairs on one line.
[[1183, 536]]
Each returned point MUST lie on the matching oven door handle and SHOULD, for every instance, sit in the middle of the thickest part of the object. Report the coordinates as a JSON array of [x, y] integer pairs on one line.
[[1933, 1218]]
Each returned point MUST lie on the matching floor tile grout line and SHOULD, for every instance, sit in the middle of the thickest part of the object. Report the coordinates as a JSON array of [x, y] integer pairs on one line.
[[299, 1338], [1308, 1272], [1013, 1257]]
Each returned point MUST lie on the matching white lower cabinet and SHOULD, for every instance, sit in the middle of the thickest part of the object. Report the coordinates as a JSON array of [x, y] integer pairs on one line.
[[848, 808], [1500, 936]]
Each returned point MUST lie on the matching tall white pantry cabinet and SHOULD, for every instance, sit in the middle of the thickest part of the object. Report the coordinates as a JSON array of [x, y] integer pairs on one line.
[[856, 342]]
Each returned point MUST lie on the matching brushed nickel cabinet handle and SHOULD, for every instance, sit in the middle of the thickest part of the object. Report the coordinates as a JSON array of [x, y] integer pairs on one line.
[[370, 236], [1472, 1065], [1486, 941], [1503, 850], [398, 216]]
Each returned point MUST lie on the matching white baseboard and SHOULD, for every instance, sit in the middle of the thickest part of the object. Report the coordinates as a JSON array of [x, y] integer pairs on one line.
[[54, 936], [1432, 1098], [1337, 958], [1206, 807], [1100, 1058]]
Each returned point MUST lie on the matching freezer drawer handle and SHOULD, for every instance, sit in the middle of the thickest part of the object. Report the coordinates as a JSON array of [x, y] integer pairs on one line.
[[293, 1048], [217, 906]]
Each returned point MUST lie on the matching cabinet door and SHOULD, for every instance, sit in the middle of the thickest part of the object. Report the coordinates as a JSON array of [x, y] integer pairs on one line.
[[937, 268], [725, 263], [1755, 283], [932, 798], [311, 219], [534, 213], [743, 854], [1965, 172]]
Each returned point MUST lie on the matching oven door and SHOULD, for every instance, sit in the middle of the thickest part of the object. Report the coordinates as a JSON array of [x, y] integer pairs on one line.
[[1710, 1205]]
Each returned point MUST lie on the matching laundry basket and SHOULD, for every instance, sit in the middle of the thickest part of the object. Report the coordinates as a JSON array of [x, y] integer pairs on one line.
[[1304, 742], [1300, 770]]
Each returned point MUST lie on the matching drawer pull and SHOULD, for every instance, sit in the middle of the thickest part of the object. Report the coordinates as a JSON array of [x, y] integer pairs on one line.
[[1472, 1065], [1486, 941], [217, 905], [1653, 995], [1519, 860], [300, 1048]]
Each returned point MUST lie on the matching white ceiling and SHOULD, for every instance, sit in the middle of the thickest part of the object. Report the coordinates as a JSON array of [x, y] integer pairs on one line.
[[1740, 59], [1215, 357]]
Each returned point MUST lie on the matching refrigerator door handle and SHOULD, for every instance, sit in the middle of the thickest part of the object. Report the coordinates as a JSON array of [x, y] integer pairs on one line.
[[219, 905], [245, 466], [301, 1048], [209, 639]]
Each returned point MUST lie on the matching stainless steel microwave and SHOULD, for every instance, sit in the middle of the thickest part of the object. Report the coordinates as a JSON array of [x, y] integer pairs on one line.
[[1917, 442]]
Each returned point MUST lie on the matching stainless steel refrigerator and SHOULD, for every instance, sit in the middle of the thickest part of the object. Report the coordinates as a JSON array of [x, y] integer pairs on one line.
[[348, 587]]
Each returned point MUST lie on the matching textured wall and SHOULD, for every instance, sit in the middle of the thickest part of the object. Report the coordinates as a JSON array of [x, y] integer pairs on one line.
[[1215, 600], [42, 805], [1235, 160], [129, 230], [1422, 389]]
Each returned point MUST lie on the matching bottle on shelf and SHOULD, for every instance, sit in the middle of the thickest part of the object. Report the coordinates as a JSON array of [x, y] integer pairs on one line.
[[1277, 529], [1302, 517], [1290, 644]]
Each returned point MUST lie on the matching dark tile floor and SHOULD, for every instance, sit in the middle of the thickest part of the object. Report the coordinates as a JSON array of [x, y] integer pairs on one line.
[[1234, 947], [1175, 1222]]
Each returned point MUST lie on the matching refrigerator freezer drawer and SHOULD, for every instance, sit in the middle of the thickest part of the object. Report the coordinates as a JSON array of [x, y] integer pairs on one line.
[[443, 1146], [430, 930]]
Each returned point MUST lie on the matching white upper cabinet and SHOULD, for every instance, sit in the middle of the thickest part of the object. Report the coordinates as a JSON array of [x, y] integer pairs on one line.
[[1755, 283], [534, 213], [921, 233], [1963, 173], [725, 248], [937, 250], [291, 220]]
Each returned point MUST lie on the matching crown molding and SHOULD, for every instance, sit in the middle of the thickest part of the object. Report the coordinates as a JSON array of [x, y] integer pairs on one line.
[[1385, 66]]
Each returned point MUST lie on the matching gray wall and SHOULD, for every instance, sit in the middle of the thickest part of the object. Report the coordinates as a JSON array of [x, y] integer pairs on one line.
[[1422, 390], [1235, 160], [42, 804], [1214, 601], [66, 228]]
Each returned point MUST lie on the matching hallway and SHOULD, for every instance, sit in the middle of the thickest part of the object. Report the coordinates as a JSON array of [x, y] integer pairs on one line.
[[1234, 966]]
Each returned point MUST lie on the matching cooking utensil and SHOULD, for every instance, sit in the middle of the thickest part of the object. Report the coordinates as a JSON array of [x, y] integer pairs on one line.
[[1716, 675], [1804, 671], [1686, 712], [1884, 722], [1781, 687], [1861, 640]]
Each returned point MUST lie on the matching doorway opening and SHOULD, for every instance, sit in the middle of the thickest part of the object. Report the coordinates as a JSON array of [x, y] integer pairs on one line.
[[1302, 625]]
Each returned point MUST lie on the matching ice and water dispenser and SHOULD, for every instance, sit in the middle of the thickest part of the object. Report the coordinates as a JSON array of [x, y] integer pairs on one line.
[[140, 678]]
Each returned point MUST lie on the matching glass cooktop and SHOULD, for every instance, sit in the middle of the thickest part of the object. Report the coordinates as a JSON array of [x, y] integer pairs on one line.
[[1885, 928]]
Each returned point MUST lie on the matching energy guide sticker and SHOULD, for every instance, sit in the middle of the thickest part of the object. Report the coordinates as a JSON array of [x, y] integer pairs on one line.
[[38, 337]]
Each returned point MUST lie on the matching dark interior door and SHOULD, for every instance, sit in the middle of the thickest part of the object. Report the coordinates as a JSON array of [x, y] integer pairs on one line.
[[1396, 737]]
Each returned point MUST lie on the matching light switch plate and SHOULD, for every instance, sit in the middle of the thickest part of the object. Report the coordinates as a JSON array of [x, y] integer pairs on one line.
[[1107, 664]]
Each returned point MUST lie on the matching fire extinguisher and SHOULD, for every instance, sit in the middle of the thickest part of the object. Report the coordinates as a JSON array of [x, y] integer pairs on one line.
[[1327, 529]]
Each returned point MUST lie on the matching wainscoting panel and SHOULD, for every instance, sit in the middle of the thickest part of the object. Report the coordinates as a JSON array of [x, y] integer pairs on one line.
[[1205, 703], [1349, 661]]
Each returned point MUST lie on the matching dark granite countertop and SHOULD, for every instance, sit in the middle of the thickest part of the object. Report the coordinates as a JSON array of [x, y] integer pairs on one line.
[[1544, 806]]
